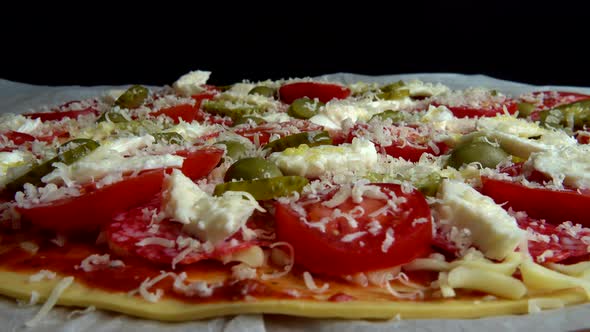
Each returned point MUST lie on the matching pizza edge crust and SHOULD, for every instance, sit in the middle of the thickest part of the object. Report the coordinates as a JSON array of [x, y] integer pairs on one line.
[[16, 285]]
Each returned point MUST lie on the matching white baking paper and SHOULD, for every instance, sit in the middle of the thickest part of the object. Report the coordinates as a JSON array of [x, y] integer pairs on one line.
[[18, 98]]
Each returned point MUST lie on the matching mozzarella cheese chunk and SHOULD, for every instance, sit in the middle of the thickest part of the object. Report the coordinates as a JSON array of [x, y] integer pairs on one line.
[[192, 131], [492, 229], [569, 165], [17, 122], [520, 137], [12, 159], [419, 88], [209, 218], [190, 83], [110, 158], [315, 161]]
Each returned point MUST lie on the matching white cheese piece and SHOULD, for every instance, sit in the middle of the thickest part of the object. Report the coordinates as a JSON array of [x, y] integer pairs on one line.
[[61, 286], [12, 159], [192, 131], [109, 158], [316, 161], [17, 122], [209, 218], [275, 117], [422, 89], [241, 89], [514, 135], [492, 229], [190, 83], [112, 95], [569, 165]]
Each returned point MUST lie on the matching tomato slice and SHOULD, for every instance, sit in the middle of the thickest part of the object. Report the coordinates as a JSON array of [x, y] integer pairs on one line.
[[555, 206], [187, 112], [18, 138], [63, 112], [550, 99], [563, 243], [467, 111], [391, 236], [95, 207], [263, 132], [322, 91], [406, 142]]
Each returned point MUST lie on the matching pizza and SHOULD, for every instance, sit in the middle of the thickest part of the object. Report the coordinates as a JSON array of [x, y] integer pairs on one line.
[[298, 197]]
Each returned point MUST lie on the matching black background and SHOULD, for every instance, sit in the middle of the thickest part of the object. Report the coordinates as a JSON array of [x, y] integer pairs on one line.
[[105, 44]]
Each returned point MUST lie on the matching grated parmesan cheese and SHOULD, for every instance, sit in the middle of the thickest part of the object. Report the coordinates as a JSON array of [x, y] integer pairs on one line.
[[57, 291]]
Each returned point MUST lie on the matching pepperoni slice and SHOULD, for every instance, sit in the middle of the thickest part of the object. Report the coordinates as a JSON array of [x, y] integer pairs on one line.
[[125, 233], [565, 241]]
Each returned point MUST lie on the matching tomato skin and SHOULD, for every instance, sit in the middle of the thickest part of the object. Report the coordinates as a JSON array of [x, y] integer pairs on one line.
[[96, 207], [551, 99], [87, 212], [471, 112], [56, 114], [555, 206], [324, 252], [322, 91], [18, 138]]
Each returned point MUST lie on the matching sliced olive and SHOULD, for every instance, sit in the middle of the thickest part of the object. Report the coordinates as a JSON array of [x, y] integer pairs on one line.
[[222, 108], [169, 138], [76, 151], [312, 138], [265, 189], [132, 97], [392, 86], [246, 119], [525, 109], [251, 169], [112, 116], [394, 95], [263, 91], [478, 151], [395, 116], [304, 108], [234, 149]]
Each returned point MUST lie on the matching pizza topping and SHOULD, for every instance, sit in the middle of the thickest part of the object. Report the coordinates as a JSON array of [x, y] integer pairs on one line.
[[311, 285], [490, 227], [264, 189], [568, 165], [312, 138], [191, 83], [41, 275], [56, 292], [95, 261]]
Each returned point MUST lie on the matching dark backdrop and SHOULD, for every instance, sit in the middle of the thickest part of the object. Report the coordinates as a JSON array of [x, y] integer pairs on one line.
[[533, 43]]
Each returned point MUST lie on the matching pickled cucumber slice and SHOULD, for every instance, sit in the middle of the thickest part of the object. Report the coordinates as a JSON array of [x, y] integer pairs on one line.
[[525, 109], [169, 138], [132, 97], [312, 138], [68, 156], [246, 119], [265, 189], [263, 91], [223, 108], [112, 116], [252, 169]]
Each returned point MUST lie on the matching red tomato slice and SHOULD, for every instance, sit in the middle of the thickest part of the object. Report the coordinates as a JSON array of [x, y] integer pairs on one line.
[[263, 132], [465, 111], [18, 138], [336, 251], [96, 206], [406, 142], [63, 112], [555, 206], [564, 244], [322, 91], [551, 99]]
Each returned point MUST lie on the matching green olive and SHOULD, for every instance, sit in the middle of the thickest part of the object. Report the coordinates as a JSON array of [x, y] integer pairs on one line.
[[304, 108], [478, 151], [169, 138], [132, 97], [265, 189], [225, 108], [112, 116], [312, 138], [234, 149], [429, 185], [525, 109], [392, 86], [247, 119], [252, 169], [263, 91], [70, 153]]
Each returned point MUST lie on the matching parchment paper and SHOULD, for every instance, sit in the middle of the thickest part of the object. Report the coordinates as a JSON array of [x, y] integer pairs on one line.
[[18, 98]]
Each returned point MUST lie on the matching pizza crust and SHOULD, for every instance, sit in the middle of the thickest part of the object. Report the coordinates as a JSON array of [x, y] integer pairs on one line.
[[16, 285]]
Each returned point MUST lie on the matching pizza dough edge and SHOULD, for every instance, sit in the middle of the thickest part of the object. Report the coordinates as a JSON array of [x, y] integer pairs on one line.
[[16, 285]]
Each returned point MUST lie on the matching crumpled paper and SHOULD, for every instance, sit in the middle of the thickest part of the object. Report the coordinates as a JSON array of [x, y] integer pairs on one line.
[[19, 98]]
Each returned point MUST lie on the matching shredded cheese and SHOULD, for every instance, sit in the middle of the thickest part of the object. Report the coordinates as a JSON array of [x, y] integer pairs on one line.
[[57, 291]]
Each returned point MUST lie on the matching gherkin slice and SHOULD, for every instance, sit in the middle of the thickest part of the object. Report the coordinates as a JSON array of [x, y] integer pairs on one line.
[[394, 115], [169, 138], [263, 91], [234, 149], [132, 97], [112, 116], [246, 119], [265, 189], [525, 109], [304, 108], [252, 169], [312, 138], [77, 150], [223, 109]]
